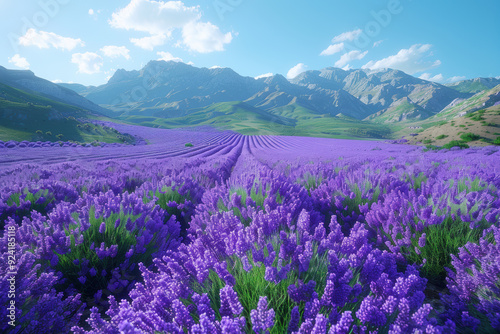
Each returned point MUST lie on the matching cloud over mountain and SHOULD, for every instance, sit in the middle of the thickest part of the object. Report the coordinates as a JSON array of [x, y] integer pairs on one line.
[[160, 19], [411, 61]]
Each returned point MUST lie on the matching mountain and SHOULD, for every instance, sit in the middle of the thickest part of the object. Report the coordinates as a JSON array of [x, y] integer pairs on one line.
[[78, 88], [384, 90], [27, 81], [32, 117], [481, 100], [173, 89], [475, 85], [170, 86]]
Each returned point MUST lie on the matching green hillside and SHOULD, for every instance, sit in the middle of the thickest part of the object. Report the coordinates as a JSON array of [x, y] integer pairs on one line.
[[291, 120], [478, 101], [400, 111], [25, 116]]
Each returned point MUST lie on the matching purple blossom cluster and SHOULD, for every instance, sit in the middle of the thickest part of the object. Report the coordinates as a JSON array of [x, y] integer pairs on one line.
[[248, 234], [473, 282]]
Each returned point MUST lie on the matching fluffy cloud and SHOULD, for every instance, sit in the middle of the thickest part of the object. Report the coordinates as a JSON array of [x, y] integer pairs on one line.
[[88, 62], [332, 49], [205, 37], [167, 56], [266, 75], [410, 60], [458, 78], [296, 70], [149, 42], [377, 43], [160, 19], [113, 51], [347, 36], [427, 76], [337, 42], [346, 58], [154, 17], [45, 40], [19, 61]]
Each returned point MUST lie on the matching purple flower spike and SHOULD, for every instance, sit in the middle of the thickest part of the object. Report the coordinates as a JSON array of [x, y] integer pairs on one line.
[[262, 318]]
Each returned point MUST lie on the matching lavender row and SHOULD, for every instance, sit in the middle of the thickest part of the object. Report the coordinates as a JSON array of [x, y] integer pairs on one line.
[[256, 234]]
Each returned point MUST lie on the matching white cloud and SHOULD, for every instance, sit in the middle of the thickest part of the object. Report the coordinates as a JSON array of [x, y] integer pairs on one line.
[[427, 76], [149, 42], [266, 75], [154, 17], [45, 40], [410, 60], [350, 56], [347, 36], [457, 78], [57, 81], [205, 37], [337, 44], [88, 62], [332, 49], [167, 56], [113, 51], [377, 43], [161, 18], [215, 67], [296, 70], [19, 61], [91, 11]]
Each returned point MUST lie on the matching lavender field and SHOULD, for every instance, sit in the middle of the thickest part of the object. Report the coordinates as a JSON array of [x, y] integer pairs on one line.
[[208, 231]]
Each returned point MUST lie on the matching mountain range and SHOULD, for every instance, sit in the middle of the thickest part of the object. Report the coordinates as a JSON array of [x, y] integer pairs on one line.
[[327, 102], [171, 89]]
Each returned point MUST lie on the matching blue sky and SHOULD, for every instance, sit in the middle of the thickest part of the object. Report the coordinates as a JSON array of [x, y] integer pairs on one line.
[[86, 41]]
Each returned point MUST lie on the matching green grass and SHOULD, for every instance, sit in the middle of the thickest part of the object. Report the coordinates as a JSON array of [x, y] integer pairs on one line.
[[115, 234], [252, 284], [468, 137], [189, 145], [39, 201], [441, 137], [456, 143], [24, 116], [496, 141], [442, 240], [257, 194], [310, 181], [164, 196]]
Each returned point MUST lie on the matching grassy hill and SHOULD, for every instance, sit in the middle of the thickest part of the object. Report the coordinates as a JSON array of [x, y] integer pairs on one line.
[[25, 116], [290, 120], [479, 128]]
